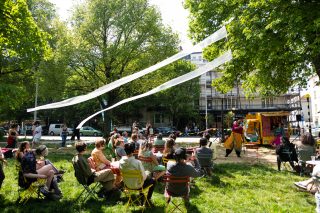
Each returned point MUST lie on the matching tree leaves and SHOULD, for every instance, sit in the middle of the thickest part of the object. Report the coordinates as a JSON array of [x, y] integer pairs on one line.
[[273, 42]]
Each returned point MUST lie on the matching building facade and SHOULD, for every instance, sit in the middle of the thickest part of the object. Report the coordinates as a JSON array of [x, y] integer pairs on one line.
[[213, 104]]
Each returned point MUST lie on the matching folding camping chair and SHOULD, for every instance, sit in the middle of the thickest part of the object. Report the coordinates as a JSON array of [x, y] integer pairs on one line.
[[303, 156], [88, 190], [205, 161], [29, 191], [169, 197], [130, 193]]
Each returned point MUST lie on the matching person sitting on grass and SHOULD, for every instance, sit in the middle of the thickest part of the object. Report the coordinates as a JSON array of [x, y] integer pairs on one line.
[[181, 169], [153, 166], [86, 176], [206, 162], [310, 184], [129, 163], [98, 157]]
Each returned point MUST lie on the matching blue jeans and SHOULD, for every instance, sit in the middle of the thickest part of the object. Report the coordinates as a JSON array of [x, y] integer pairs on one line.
[[64, 138]]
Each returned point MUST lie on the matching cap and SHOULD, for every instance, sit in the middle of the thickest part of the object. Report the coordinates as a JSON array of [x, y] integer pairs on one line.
[[180, 153]]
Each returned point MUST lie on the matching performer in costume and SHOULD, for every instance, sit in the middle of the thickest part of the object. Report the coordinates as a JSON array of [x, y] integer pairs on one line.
[[236, 138]]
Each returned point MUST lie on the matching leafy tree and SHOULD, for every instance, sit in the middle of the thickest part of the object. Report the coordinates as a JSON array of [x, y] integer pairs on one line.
[[115, 39], [22, 45], [275, 43]]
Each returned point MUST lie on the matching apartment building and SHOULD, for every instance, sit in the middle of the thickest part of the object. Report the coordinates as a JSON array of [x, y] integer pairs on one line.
[[213, 104]]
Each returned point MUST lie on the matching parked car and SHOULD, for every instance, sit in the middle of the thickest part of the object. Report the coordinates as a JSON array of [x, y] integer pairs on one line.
[[88, 130], [121, 129], [166, 131], [55, 129]]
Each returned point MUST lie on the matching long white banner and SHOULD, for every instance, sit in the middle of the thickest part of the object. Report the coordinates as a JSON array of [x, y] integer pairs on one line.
[[216, 36], [181, 79]]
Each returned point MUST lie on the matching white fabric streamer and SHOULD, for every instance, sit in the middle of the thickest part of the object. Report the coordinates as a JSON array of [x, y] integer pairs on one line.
[[216, 36], [181, 79]]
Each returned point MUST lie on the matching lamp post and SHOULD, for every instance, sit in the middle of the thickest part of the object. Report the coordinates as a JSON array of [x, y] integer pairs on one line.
[[36, 100], [222, 108], [308, 106], [206, 100]]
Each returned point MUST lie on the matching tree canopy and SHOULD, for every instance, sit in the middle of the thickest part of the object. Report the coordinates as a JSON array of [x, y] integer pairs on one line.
[[275, 44]]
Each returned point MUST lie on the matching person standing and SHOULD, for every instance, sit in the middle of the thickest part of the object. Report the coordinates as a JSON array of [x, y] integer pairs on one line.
[[76, 132], [64, 134], [236, 138], [278, 133], [37, 133]]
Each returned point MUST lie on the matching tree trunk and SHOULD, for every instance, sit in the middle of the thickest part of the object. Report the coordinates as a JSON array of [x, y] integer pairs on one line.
[[316, 63]]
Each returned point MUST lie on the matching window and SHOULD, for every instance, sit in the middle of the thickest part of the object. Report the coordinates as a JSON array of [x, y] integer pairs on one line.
[[267, 102], [158, 118]]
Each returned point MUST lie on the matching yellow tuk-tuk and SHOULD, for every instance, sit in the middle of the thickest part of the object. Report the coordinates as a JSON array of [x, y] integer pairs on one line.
[[260, 127]]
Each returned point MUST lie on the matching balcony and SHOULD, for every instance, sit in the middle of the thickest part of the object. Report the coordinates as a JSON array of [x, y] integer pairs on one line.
[[253, 107]]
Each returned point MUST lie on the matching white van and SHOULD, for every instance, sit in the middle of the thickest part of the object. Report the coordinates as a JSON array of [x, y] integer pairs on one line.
[[55, 129]]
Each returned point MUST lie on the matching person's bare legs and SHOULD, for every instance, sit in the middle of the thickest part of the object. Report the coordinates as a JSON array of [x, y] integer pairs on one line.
[[48, 171]]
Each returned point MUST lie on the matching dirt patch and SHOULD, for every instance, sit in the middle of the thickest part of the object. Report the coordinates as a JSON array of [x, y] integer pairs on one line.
[[265, 155]]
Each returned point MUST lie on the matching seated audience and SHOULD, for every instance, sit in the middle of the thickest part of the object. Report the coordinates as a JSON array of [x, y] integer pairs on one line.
[[86, 176], [125, 137], [42, 152], [128, 163], [153, 166], [169, 149], [310, 184], [134, 140], [31, 170], [112, 144], [181, 169], [173, 136], [159, 141], [98, 157], [286, 152], [306, 149], [2, 176], [12, 137], [206, 162], [120, 149]]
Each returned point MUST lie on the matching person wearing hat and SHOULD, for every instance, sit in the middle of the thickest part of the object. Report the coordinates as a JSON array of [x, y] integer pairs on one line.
[[181, 169]]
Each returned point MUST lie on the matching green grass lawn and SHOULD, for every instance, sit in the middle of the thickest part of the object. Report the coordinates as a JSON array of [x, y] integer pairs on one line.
[[235, 187]]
